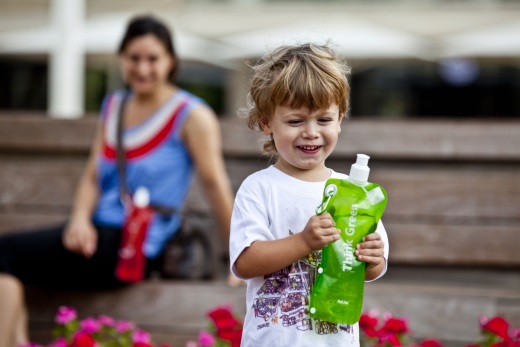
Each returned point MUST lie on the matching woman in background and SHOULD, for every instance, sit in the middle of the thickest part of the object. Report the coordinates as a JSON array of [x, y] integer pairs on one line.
[[168, 133]]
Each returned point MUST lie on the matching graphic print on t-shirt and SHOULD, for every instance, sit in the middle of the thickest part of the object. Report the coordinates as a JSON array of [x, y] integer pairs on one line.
[[284, 299]]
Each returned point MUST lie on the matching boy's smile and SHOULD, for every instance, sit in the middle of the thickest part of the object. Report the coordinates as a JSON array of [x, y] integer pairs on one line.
[[304, 139]]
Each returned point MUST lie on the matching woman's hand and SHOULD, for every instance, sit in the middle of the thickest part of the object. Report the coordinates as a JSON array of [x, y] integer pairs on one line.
[[80, 237]]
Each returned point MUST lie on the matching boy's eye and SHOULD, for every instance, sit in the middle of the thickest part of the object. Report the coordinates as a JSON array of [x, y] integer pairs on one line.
[[294, 121], [325, 120]]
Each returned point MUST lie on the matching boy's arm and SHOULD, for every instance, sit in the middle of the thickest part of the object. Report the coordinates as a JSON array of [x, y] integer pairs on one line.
[[265, 257]]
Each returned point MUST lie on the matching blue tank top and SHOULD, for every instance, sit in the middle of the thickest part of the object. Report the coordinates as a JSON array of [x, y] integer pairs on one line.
[[156, 158]]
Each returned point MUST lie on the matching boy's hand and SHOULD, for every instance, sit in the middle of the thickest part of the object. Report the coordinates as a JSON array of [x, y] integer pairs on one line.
[[320, 231], [371, 250]]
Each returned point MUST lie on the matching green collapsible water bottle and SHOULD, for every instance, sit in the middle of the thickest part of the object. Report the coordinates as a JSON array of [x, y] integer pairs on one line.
[[356, 206]]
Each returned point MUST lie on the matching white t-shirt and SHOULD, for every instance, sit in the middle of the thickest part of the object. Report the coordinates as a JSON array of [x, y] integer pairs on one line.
[[271, 205]]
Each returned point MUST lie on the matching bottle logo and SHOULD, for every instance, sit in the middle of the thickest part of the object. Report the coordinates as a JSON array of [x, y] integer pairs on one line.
[[348, 256], [350, 230]]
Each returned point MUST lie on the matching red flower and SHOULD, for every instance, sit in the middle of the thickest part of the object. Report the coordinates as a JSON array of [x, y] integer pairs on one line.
[[430, 343], [498, 326], [141, 344], [83, 339], [228, 328], [233, 336], [368, 323], [506, 343], [392, 339], [395, 326], [223, 318]]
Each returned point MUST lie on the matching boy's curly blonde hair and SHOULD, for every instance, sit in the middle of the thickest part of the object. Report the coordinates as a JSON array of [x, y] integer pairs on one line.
[[307, 75]]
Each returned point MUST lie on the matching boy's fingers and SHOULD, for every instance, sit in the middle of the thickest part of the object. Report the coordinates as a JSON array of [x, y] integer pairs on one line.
[[330, 231], [327, 223], [371, 245], [370, 253], [372, 237], [370, 260]]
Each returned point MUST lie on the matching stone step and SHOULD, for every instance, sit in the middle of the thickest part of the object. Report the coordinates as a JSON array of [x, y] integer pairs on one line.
[[439, 303]]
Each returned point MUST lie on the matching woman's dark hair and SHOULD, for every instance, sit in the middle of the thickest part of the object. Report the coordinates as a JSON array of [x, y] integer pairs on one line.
[[148, 25]]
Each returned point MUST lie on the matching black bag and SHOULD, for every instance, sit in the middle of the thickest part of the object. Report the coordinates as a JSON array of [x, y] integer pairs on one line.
[[188, 255]]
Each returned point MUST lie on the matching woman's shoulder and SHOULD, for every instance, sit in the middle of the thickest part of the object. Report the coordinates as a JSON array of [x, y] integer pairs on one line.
[[192, 99], [118, 94], [111, 98]]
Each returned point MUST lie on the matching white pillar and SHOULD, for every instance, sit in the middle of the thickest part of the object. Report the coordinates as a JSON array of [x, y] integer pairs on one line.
[[67, 60]]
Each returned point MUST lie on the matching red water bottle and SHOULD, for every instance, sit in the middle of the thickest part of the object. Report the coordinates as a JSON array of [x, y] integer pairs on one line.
[[132, 261]]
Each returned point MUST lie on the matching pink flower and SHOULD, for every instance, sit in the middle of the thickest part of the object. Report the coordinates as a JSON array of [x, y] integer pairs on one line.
[[206, 339], [65, 315], [106, 321], [60, 342], [141, 336], [123, 325], [516, 333], [90, 325]]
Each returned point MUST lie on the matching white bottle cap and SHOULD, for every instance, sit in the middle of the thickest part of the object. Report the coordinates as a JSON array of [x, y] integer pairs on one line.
[[360, 170], [141, 197]]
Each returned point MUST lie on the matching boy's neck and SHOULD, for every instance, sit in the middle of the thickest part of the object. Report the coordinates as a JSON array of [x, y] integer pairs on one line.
[[311, 175]]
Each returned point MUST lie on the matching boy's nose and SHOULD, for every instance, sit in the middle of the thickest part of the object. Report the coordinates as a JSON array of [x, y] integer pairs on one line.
[[310, 131]]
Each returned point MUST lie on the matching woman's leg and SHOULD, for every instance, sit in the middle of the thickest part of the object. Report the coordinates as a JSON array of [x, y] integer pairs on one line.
[[13, 322]]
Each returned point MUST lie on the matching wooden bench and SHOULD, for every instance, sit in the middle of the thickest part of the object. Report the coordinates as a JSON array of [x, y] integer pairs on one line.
[[453, 213]]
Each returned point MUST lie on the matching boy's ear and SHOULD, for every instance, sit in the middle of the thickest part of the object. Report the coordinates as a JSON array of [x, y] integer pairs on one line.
[[339, 123], [341, 116], [266, 128]]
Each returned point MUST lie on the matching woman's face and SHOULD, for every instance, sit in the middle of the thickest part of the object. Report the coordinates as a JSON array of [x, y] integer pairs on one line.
[[146, 64]]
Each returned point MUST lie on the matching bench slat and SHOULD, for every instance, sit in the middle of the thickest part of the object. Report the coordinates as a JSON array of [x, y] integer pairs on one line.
[[423, 139], [441, 244]]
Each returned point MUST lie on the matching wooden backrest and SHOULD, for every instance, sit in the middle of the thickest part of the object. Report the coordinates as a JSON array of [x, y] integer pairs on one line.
[[454, 196]]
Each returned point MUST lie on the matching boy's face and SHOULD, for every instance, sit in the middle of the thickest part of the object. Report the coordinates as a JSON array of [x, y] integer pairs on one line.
[[304, 139]]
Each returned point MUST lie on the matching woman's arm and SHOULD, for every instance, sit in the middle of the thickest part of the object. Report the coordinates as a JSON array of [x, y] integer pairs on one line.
[[80, 235], [201, 134]]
